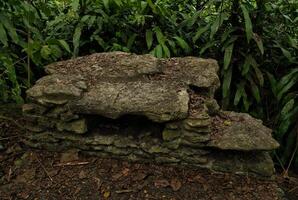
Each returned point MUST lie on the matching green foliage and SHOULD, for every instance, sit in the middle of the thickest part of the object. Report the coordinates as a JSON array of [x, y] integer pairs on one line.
[[255, 43]]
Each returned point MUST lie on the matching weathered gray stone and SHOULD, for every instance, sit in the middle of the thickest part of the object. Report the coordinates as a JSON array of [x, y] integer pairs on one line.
[[244, 133], [56, 89], [169, 134], [33, 109], [259, 163], [78, 126], [159, 101], [142, 108], [194, 138]]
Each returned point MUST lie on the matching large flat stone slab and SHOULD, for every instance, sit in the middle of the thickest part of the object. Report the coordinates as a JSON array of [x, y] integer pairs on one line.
[[156, 100]]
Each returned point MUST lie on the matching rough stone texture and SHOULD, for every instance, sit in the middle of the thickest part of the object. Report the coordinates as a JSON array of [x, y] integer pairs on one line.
[[159, 101], [140, 108], [244, 133]]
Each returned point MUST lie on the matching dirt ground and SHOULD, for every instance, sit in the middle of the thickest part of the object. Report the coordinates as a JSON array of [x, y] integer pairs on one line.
[[36, 174]]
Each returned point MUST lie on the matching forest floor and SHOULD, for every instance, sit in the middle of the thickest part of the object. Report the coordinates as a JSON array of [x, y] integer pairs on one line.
[[36, 174]]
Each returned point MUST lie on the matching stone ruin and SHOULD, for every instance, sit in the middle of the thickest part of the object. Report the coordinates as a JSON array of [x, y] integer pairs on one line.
[[140, 108]]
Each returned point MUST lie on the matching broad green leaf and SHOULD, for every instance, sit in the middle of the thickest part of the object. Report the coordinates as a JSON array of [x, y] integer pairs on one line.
[[3, 36], [166, 50], [64, 45], [226, 82], [255, 91], [152, 6], [273, 83], [259, 75], [286, 53], [285, 79], [160, 37], [149, 38], [246, 65], [226, 34], [10, 29], [292, 42], [215, 26], [158, 51], [287, 108], [217, 23], [45, 52], [228, 56], [207, 46], [247, 21], [75, 4], [55, 51], [131, 40], [199, 32], [259, 42], [258, 72], [100, 41], [239, 93], [76, 40], [245, 101], [181, 42], [85, 18], [287, 87], [106, 4]]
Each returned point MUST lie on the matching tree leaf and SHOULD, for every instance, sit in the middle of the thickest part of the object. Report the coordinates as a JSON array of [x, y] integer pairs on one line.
[[181, 42], [228, 56], [247, 21], [287, 108], [259, 42], [239, 93], [255, 90], [64, 45], [166, 50], [106, 4], [273, 83], [226, 82], [76, 39], [131, 40], [3, 36], [158, 51], [160, 37], [149, 38], [45, 52], [10, 29], [75, 4], [246, 65], [199, 32], [215, 26], [286, 53], [286, 88], [207, 46]]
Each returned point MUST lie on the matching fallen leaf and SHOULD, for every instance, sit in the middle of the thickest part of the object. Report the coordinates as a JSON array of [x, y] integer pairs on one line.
[[82, 174], [139, 176], [117, 176], [125, 171], [106, 194], [227, 123], [161, 183], [175, 184]]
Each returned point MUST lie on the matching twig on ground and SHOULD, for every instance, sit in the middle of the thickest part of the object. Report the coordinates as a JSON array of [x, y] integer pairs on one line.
[[70, 164], [43, 167]]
